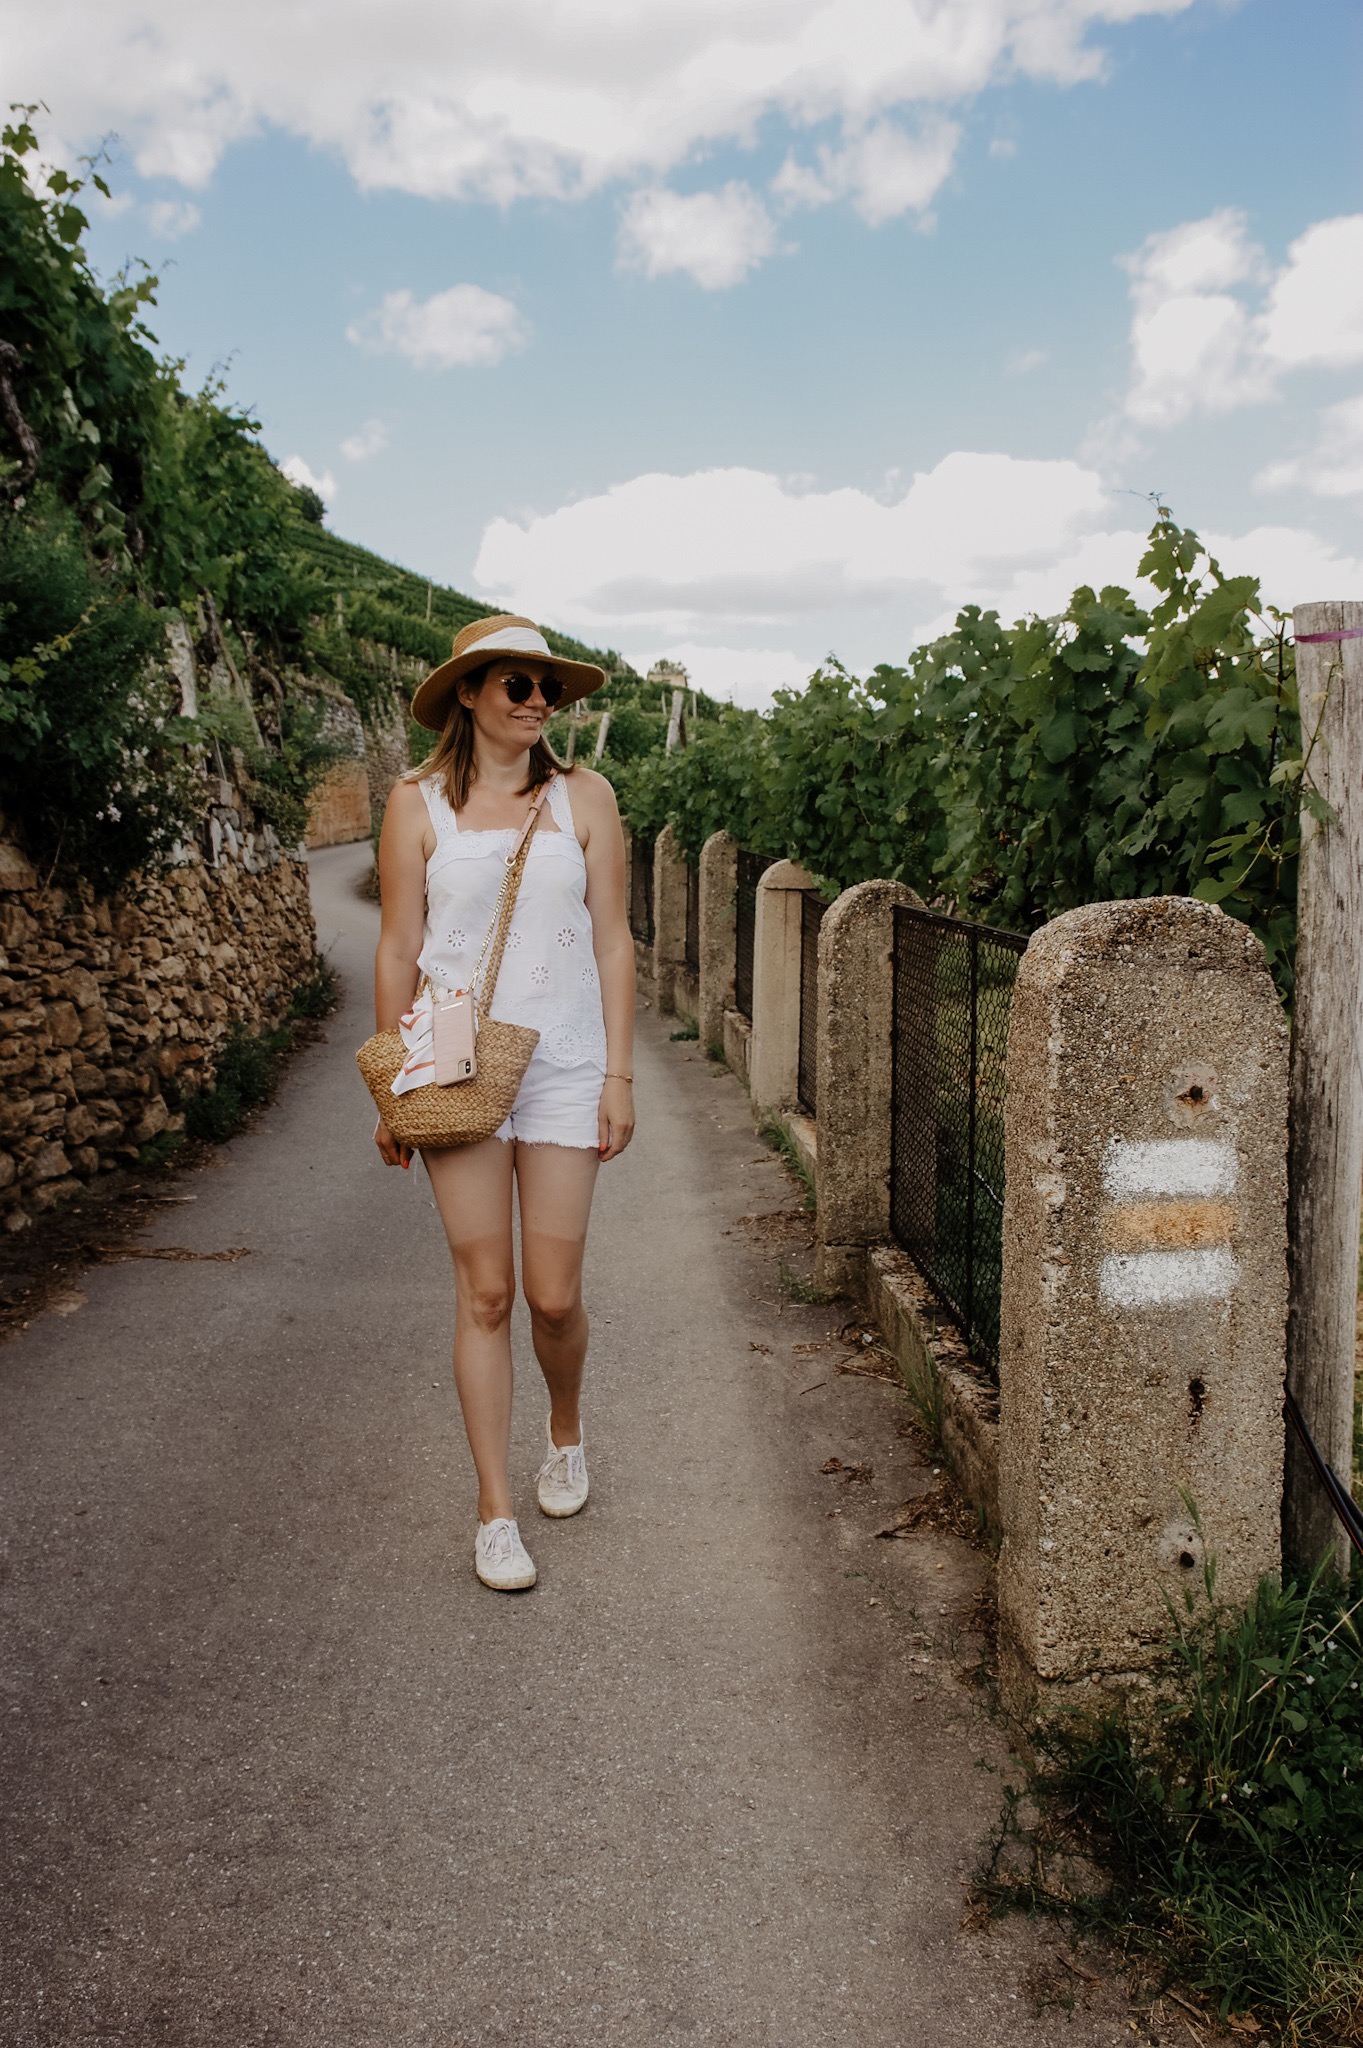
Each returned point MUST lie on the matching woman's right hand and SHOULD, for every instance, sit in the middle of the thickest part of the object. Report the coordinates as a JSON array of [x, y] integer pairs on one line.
[[391, 1153]]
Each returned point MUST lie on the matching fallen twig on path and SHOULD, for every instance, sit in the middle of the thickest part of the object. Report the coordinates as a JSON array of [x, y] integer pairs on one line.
[[117, 1254]]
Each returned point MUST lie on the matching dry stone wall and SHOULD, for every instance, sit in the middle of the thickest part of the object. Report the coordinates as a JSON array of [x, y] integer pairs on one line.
[[339, 810], [112, 1009], [352, 798]]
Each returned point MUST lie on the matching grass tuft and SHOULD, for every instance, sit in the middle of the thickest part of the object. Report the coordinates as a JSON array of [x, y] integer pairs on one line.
[[1231, 1821], [318, 997], [247, 1069], [774, 1133], [807, 1291], [924, 1391]]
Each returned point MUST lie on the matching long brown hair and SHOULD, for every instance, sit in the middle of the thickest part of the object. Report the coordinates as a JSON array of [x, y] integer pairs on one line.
[[452, 760]]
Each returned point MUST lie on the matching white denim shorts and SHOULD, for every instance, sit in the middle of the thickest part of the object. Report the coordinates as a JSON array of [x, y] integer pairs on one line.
[[557, 1105]]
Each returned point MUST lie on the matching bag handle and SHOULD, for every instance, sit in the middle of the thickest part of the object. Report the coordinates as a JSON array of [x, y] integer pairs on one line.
[[506, 902]]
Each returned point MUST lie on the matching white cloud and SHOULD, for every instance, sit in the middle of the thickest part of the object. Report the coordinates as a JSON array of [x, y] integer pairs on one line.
[[522, 97], [701, 553], [704, 567], [1198, 344], [882, 170], [172, 218], [1189, 336], [715, 237], [372, 439], [459, 329], [1315, 309], [1024, 360], [1334, 467], [298, 472]]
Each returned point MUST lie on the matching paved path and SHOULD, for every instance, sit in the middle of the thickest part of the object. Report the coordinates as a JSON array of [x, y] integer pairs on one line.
[[281, 1771]]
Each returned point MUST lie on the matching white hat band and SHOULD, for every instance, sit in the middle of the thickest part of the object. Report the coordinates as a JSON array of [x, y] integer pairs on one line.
[[519, 639]]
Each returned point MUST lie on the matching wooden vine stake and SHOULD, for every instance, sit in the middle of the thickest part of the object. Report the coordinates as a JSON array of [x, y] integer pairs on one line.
[[1327, 1075]]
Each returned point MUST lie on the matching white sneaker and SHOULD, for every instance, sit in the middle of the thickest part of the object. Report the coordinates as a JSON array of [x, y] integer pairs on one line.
[[500, 1559], [562, 1484]]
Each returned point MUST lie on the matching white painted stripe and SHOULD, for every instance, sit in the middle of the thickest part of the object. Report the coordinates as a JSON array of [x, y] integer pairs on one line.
[[1169, 1166], [520, 639], [1159, 1279]]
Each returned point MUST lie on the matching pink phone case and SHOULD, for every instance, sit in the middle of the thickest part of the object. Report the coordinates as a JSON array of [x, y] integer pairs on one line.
[[455, 1059]]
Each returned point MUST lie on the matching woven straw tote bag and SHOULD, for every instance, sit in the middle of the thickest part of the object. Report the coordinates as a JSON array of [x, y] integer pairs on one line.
[[465, 1112]]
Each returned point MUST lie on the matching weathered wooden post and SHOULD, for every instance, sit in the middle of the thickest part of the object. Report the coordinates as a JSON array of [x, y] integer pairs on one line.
[[1144, 1312], [1327, 1074]]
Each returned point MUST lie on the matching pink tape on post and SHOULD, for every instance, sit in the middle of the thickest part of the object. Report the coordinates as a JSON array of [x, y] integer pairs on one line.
[[1309, 639]]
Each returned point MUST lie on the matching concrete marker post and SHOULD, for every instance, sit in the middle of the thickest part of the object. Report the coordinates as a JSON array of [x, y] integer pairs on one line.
[[774, 1049], [718, 906], [1144, 1287], [669, 918], [856, 1078]]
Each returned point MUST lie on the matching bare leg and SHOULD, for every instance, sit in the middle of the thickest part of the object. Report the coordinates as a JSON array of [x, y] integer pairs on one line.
[[472, 1186], [555, 1184]]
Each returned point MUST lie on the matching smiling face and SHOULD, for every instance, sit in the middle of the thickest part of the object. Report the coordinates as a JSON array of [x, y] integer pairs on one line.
[[501, 724]]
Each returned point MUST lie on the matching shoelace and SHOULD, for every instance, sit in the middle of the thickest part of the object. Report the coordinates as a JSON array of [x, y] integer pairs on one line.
[[499, 1543], [564, 1464]]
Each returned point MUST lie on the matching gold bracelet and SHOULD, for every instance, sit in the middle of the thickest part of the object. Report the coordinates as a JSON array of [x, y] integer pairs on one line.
[[619, 1077]]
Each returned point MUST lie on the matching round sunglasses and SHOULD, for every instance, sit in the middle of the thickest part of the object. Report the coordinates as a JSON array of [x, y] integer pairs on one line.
[[520, 689]]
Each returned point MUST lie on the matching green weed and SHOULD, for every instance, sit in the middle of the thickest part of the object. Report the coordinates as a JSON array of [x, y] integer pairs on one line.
[[924, 1391], [687, 1030], [1232, 1821], [159, 1150], [775, 1134], [245, 1076], [318, 997], [807, 1291]]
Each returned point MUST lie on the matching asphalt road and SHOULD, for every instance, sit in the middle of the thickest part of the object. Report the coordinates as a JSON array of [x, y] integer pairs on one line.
[[279, 1770]]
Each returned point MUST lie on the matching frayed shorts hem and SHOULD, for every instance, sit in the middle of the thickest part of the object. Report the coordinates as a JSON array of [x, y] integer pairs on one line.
[[557, 1106]]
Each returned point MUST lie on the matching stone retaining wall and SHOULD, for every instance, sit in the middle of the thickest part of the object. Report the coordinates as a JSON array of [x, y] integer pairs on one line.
[[112, 1008]]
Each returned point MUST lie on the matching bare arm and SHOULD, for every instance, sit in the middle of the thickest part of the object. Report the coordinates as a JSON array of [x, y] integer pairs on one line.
[[404, 843], [598, 823]]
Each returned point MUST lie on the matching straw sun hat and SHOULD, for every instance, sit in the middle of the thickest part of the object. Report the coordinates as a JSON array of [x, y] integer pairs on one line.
[[492, 640]]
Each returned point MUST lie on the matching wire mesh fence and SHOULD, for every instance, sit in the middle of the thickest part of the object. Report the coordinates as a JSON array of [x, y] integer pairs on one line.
[[751, 868], [953, 991], [693, 917], [812, 910], [641, 891]]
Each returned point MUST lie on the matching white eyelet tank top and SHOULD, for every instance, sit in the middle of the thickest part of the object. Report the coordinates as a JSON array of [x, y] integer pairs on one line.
[[548, 975]]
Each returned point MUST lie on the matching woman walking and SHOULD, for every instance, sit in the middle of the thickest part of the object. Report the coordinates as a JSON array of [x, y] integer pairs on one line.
[[568, 971]]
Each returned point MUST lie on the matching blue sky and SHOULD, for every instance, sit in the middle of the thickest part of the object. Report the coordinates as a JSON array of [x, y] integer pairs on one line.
[[744, 333]]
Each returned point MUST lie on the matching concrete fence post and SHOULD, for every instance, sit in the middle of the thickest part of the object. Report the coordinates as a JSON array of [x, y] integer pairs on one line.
[[1144, 1287], [856, 1076], [774, 1050], [669, 918], [718, 902]]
